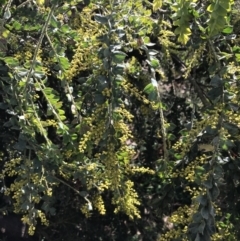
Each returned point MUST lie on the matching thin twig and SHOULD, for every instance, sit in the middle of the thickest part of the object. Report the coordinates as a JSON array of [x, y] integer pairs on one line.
[[75, 190]]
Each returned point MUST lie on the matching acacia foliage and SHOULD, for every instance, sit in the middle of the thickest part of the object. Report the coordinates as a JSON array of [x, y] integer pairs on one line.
[[122, 109]]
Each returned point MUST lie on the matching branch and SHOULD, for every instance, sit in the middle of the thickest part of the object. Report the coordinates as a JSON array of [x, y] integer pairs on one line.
[[75, 190], [43, 32]]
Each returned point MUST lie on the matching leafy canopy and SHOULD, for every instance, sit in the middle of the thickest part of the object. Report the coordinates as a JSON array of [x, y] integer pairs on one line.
[[127, 109]]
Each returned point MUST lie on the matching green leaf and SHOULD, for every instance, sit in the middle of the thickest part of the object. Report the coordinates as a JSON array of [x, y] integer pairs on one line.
[[118, 69], [183, 38], [157, 4], [221, 11], [49, 111], [232, 130], [201, 227], [238, 57], [65, 28], [149, 88], [199, 169], [64, 62], [99, 98], [214, 192], [202, 199], [22, 72], [16, 25], [20, 145], [83, 193], [152, 52], [171, 137], [210, 7], [228, 30], [7, 14], [154, 82], [150, 44], [39, 74], [208, 183], [226, 144], [101, 19], [193, 228], [215, 93], [216, 81], [25, 205], [184, 32], [106, 64], [197, 217], [225, 4], [11, 61], [218, 172], [118, 56], [154, 62], [30, 27], [171, 127], [107, 52], [153, 96], [205, 212], [59, 50], [197, 238], [54, 22]]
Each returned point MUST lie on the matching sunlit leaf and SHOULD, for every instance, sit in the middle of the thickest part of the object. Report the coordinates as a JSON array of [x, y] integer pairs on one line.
[[64, 62], [7, 13], [157, 4], [16, 25], [11, 61], [149, 88], [118, 56], [228, 30], [38, 74]]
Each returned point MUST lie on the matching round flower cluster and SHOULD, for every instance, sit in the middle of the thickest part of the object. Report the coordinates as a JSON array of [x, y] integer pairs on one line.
[[99, 204], [133, 91], [42, 216], [31, 229], [10, 167], [128, 201], [85, 210]]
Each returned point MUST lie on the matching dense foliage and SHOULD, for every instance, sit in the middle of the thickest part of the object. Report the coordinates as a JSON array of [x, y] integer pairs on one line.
[[119, 119]]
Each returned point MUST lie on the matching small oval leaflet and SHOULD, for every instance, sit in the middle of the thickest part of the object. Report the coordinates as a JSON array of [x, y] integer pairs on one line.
[[7, 14], [101, 19]]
